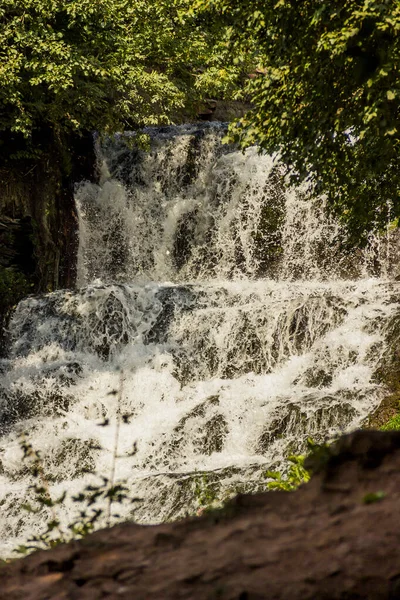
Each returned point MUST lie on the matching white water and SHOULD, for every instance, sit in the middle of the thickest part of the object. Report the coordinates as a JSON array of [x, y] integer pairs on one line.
[[239, 324]]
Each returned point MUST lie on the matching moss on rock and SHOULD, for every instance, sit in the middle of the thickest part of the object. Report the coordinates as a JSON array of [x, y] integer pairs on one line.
[[388, 412]]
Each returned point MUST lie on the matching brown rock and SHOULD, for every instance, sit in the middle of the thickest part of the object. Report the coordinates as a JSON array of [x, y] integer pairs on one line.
[[336, 537]]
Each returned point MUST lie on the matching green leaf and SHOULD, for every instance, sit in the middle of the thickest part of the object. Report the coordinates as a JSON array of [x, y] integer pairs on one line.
[[373, 497]]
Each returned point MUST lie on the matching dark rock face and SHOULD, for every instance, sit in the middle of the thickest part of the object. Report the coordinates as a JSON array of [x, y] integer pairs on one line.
[[37, 204], [389, 373], [38, 221], [337, 537]]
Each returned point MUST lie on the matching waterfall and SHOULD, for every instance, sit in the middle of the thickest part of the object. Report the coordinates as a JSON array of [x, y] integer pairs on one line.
[[231, 309]]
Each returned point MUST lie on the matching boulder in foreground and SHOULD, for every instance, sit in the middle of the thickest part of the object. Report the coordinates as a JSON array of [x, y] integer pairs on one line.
[[336, 537]]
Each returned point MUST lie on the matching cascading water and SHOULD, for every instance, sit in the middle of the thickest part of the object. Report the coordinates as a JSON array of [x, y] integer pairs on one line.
[[224, 310]]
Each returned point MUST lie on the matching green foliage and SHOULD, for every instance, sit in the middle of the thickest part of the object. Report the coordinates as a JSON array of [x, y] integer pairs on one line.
[[104, 65], [296, 475], [204, 494], [299, 471], [373, 497], [207, 495], [393, 424], [326, 95], [300, 468]]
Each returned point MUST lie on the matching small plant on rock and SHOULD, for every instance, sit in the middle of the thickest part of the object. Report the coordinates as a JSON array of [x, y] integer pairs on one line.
[[296, 475], [300, 468]]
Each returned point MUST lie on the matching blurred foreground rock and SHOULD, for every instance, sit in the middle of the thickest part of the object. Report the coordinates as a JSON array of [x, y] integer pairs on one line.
[[336, 537]]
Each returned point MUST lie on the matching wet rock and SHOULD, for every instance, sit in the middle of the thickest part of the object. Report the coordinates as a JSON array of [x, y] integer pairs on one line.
[[315, 418], [72, 458], [18, 405], [203, 429], [172, 300], [216, 430]]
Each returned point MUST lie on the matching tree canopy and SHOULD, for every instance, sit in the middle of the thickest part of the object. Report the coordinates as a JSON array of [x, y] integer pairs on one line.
[[326, 97], [324, 80], [102, 64]]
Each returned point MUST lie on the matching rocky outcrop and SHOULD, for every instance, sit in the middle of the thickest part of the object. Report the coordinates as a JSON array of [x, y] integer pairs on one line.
[[38, 221], [336, 537], [388, 374]]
